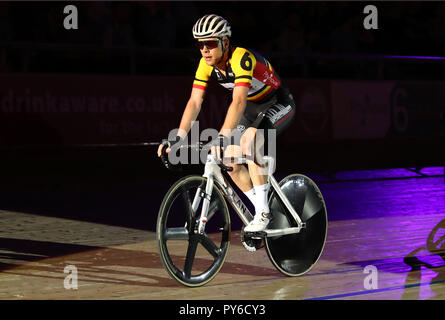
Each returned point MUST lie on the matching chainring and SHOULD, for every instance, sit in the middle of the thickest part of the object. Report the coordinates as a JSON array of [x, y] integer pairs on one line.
[[251, 244]]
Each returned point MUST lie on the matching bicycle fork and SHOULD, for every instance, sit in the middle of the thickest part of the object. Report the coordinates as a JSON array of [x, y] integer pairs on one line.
[[211, 171], [206, 197]]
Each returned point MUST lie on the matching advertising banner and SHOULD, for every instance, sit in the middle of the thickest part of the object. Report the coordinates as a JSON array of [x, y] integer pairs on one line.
[[76, 109], [387, 109], [71, 109], [361, 109], [312, 121], [417, 109]]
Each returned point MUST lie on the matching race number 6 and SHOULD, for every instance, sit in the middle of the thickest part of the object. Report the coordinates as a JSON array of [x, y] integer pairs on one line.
[[246, 62]]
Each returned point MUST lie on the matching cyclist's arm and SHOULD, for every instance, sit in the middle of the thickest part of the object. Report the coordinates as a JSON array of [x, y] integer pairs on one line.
[[191, 111], [236, 109], [193, 106]]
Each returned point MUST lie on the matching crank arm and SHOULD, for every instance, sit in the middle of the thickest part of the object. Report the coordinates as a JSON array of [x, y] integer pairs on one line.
[[274, 232]]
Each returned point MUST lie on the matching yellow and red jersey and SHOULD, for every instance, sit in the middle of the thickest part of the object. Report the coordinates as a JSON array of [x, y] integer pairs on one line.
[[243, 68]]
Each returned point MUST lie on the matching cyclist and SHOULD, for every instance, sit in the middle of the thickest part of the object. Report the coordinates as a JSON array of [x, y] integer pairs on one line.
[[259, 101]]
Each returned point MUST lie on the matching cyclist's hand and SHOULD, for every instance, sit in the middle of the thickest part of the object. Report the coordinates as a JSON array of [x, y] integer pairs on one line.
[[162, 146], [168, 144]]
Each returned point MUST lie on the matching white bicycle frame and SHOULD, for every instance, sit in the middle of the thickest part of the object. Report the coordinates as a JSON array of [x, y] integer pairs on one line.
[[212, 172]]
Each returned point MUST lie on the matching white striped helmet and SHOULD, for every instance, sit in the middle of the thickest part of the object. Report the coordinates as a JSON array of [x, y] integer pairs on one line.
[[211, 26]]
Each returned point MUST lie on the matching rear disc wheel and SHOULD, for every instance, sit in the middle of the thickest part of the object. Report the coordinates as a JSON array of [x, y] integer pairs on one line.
[[296, 254]]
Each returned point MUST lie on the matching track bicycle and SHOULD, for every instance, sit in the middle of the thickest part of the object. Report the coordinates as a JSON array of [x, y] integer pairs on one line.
[[194, 220]]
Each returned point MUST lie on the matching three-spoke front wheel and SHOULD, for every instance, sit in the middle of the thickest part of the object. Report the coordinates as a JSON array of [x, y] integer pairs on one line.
[[191, 258]]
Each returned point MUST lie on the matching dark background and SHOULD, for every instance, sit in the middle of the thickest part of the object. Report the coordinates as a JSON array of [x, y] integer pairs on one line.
[[304, 40]]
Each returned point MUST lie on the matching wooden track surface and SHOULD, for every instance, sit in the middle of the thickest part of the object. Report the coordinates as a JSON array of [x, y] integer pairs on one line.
[[122, 263]]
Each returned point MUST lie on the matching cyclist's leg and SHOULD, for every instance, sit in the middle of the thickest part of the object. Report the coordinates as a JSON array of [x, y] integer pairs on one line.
[[280, 115], [277, 119], [239, 174], [252, 143], [256, 140]]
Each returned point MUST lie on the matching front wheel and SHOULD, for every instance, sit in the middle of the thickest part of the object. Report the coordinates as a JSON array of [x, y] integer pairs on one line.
[[190, 258], [296, 254]]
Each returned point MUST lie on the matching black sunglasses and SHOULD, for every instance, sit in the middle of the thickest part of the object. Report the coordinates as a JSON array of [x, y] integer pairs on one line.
[[210, 44]]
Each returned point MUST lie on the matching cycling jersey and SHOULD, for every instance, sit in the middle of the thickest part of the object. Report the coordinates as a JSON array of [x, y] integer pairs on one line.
[[243, 68]]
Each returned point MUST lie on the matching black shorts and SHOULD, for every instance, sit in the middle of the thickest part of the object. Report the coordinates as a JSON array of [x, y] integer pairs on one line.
[[277, 113]]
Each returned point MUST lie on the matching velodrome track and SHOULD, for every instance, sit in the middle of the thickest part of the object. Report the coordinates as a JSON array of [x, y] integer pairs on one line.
[[105, 228]]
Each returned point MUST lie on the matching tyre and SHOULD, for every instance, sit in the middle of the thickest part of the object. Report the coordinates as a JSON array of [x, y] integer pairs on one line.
[[192, 259]]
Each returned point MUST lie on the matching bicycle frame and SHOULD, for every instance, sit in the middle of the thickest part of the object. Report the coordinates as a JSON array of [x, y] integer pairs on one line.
[[213, 173]]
